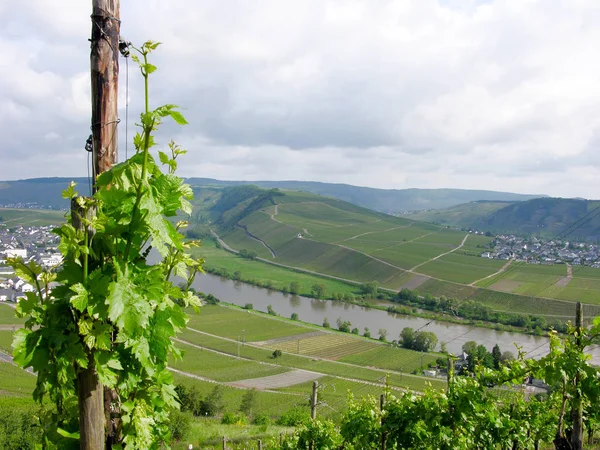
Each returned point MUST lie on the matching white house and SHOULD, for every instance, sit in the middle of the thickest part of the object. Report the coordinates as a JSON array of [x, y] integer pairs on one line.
[[55, 259]]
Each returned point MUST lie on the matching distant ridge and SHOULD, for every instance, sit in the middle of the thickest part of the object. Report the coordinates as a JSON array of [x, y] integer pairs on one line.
[[384, 200], [46, 192]]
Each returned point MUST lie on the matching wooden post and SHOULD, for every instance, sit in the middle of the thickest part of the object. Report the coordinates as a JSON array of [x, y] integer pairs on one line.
[[224, 443], [104, 69], [104, 64], [313, 403], [383, 433], [577, 411], [259, 444]]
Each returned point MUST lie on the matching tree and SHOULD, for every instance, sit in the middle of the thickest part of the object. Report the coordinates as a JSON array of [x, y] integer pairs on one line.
[[383, 334], [443, 347], [318, 290], [108, 326], [343, 325], [294, 316], [497, 355], [294, 288], [425, 341], [469, 347], [248, 402], [367, 333], [407, 335], [326, 323], [271, 311], [370, 288], [237, 275]]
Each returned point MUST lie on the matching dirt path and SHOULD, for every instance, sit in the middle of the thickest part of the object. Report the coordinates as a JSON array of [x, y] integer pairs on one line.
[[564, 281], [372, 232], [281, 380], [502, 269], [443, 254], [256, 238]]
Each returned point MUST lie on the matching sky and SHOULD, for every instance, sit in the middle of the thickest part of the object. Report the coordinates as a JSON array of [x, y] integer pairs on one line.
[[474, 94]]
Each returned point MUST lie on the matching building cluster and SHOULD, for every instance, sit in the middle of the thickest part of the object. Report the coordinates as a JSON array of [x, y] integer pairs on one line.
[[31, 244], [535, 250]]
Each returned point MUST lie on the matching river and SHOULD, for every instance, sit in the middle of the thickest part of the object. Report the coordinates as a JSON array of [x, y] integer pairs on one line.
[[314, 311]]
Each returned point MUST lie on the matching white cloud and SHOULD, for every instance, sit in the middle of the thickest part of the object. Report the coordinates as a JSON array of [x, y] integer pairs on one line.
[[486, 94]]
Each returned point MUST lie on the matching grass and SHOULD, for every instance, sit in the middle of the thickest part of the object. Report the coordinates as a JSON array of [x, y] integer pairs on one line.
[[207, 433], [7, 316], [31, 217], [231, 323], [6, 338], [15, 381]]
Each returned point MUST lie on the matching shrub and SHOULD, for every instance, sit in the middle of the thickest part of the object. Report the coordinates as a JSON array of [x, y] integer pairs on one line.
[[248, 306], [294, 316], [230, 418], [261, 419], [277, 353], [180, 424], [294, 417]]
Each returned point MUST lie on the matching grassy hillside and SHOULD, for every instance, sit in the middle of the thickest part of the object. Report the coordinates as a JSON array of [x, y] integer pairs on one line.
[[329, 236]]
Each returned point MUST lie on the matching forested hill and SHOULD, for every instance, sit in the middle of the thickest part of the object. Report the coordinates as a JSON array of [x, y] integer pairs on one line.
[[385, 200], [568, 218], [46, 192]]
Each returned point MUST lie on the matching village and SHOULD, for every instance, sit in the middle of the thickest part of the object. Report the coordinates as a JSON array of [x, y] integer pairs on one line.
[[32, 243], [535, 250]]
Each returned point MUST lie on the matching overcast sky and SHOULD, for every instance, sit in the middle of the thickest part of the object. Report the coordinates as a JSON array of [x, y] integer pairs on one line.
[[477, 94]]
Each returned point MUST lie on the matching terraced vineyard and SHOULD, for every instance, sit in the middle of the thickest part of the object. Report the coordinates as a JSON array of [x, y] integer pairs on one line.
[[332, 237]]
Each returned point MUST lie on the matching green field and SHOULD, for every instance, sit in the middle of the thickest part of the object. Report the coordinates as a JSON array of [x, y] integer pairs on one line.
[[15, 381], [7, 315], [6, 339], [31, 217]]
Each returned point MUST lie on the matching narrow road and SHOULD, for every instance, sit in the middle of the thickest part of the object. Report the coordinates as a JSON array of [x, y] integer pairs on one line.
[[443, 254], [371, 232]]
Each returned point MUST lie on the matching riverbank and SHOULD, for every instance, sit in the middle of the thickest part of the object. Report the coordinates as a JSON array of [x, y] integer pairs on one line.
[[226, 263]]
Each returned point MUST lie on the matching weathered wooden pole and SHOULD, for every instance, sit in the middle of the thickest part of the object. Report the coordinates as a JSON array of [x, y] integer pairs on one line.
[[577, 411], [104, 68], [104, 61]]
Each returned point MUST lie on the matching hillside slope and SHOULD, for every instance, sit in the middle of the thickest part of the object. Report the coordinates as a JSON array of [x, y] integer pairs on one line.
[[329, 236], [573, 219]]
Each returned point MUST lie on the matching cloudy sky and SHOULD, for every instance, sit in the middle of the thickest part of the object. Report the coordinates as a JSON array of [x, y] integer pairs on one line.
[[486, 94]]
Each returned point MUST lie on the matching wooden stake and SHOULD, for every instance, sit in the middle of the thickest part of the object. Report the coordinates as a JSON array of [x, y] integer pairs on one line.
[[104, 64], [104, 68]]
